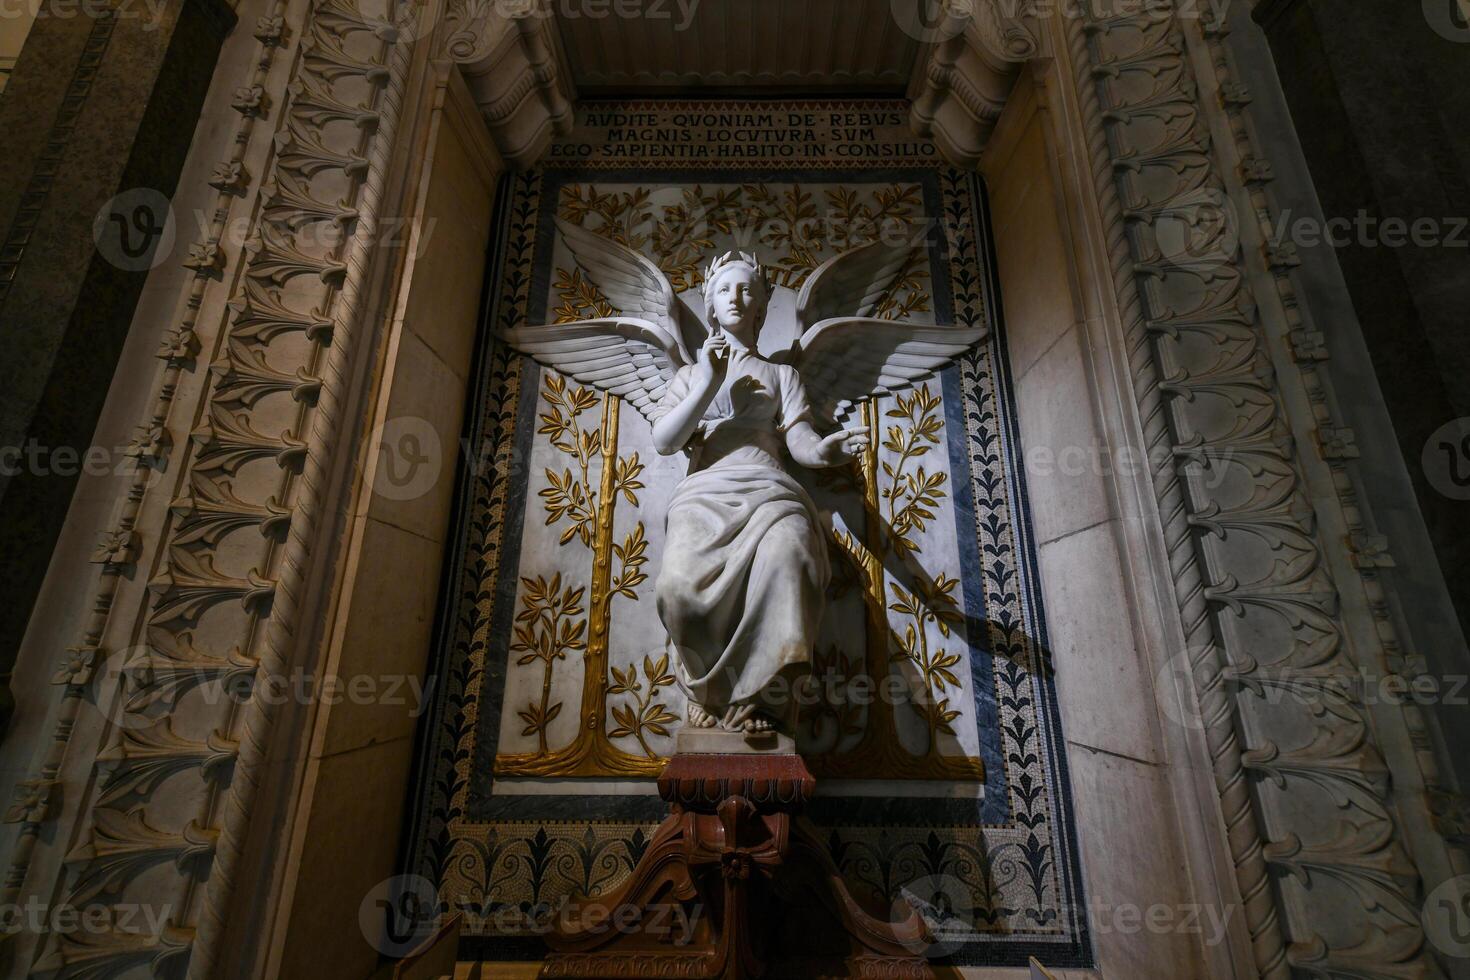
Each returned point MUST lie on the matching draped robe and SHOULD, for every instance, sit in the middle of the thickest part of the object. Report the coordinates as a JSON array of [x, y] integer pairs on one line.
[[745, 566]]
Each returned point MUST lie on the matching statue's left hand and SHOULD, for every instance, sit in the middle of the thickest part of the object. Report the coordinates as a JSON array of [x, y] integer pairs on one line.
[[843, 445]]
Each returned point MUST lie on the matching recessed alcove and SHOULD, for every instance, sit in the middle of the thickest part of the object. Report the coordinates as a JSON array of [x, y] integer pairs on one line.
[[1168, 564], [1133, 793]]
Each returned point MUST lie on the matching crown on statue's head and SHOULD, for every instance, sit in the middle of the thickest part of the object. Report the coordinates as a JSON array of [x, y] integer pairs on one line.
[[720, 263]]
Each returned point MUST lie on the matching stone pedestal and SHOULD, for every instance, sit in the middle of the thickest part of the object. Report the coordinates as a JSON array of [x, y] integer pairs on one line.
[[738, 860], [715, 741]]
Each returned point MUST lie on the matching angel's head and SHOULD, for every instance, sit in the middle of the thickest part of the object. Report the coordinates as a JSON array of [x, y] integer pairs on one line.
[[736, 294]]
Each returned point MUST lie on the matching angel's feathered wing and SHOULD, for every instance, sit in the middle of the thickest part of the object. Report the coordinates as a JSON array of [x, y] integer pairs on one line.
[[846, 359], [850, 283], [634, 285], [631, 358], [635, 355]]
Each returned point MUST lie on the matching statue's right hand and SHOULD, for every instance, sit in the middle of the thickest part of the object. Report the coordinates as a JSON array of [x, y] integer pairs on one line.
[[714, 357]]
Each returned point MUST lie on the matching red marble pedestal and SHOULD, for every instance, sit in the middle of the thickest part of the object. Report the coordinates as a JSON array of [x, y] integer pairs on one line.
[[735, 884]]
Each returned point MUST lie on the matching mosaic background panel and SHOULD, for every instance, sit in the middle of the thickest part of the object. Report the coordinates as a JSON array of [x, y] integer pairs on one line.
[[548, 618]]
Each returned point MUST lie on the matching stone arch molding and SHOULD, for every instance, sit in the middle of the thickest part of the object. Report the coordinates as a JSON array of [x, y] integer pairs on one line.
[[1281, 583], [203, 579]]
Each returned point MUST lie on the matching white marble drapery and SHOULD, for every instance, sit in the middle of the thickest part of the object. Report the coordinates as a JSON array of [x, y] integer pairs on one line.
[[745, 565]]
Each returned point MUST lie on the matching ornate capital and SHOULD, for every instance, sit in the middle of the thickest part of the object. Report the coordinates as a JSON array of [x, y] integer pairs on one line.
[[964, 80], [511, 58]]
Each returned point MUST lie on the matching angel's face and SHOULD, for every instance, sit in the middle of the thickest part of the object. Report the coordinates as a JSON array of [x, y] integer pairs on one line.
[[736, 299]]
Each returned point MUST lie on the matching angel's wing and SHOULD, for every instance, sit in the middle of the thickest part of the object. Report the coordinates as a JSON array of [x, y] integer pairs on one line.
[[845, 360], [631, 358], [849, 283], [634, 285]]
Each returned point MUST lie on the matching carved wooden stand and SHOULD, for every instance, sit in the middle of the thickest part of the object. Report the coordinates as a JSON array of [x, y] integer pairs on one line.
[[736, 858]]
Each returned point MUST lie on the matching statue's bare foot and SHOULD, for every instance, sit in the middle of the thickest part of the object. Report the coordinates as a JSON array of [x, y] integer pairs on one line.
[[735, 715], [698, 717], [757, 723], [744, 718]]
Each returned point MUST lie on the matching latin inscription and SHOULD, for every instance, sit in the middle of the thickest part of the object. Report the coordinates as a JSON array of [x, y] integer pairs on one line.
[[702, 133]]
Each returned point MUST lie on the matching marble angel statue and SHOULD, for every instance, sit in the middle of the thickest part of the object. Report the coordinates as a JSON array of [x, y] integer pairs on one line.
[[745, 569]]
